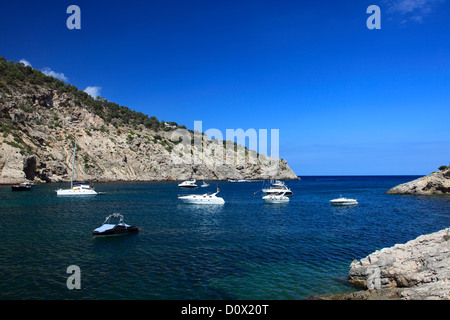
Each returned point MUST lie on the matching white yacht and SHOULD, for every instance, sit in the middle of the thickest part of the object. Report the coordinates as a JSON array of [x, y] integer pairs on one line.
[[278, 187], [80, 189], [276, 198], [342, 201], [188, 184], [202, 198]]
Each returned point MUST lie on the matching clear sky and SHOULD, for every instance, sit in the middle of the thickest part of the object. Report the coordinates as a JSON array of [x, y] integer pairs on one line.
[[347, 100]]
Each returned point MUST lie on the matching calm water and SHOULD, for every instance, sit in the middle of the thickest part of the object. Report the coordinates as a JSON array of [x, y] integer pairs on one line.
[[244, 249]]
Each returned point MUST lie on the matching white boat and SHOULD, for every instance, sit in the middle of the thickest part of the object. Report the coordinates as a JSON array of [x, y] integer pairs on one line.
[[204, 184], [188, 184], [278, 187], [24, 186], [202, 198], [342, 201], [110, 229], [276, 198], [79, 189]]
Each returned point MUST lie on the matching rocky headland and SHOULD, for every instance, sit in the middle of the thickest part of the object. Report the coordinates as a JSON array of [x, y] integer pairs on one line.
[[41, 117], [416, 270], [437, 182]]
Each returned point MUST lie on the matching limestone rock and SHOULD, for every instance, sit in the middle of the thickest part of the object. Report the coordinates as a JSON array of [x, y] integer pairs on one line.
[[418, 269], [38, 130], [435, 183]]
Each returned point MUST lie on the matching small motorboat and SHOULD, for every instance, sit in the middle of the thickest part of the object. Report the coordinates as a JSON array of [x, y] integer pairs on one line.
[[188, 184], [204, 184], [24, 186], [342, 201], [111, 229], [202, 198], [276, 198]]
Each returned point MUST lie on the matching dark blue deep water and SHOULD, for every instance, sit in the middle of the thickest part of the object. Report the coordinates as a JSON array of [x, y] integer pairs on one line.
[[245, 249]]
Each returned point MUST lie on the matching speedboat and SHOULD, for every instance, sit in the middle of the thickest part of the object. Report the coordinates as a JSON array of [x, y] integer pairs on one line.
[[111, 229], [202, 198], [276, 198], [77, 189], [342, 201], [24, 186], [204, 184], [188, 184], [278, 187]]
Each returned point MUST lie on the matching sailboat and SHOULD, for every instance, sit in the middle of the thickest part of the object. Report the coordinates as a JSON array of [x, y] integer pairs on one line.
[[77, 189]]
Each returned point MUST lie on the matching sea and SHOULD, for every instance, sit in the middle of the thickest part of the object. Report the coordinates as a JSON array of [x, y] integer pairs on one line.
[[242, 250]]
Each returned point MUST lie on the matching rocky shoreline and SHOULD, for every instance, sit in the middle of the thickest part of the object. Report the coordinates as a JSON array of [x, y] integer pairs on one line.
[[437, 182], [416, 270]]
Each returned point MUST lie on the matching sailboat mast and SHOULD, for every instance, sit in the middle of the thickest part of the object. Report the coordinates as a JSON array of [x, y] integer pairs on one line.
[[73, 163]]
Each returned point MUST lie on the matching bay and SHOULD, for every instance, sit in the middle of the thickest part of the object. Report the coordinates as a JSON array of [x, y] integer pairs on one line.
[[244, 249]]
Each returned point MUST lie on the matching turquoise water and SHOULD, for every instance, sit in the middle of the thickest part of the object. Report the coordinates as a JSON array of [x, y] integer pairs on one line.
[[245, 249]]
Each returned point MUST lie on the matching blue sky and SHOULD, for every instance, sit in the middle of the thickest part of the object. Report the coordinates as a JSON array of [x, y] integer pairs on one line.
[[347, 100]]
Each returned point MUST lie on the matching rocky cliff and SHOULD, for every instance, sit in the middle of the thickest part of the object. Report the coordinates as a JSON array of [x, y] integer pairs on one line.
[[416, 270], [436, 183], [41, 117]]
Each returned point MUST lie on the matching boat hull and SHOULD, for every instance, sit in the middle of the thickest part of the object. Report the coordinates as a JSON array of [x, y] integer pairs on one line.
[[275, 199], [20, 188], [347, 203], [202, 201], [115, 230], [71, 192]]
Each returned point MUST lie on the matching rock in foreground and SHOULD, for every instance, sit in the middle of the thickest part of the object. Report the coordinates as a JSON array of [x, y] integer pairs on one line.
[[416, 270]]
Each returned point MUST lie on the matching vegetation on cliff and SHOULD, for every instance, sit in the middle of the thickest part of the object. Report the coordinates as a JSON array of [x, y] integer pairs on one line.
[[40, 116], [16, 74]]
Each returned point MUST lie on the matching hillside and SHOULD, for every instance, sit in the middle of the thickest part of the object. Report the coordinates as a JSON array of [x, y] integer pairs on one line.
[[40, 118]]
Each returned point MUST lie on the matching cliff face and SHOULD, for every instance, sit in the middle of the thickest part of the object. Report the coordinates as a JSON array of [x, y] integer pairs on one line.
[[39, 125], [435, 183]]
